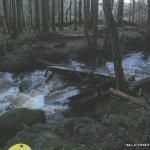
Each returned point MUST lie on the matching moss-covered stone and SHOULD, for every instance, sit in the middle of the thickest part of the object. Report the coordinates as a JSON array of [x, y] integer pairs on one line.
[[41, 138], [13, 121]]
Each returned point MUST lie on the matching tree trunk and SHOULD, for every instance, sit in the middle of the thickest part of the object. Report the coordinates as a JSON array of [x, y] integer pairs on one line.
[[95, 23], [14, 19], [67, 13], [59, 13], [19, 17], [45, 22], [86, 24], [70, 12], [53, 15], [91, 15], [22, 14], [62, 15], [133, 13], [80, 12], [148, 11], [75, 15], [5, 8], [30, 13], [37, 15], [120, 13], [121, 83]]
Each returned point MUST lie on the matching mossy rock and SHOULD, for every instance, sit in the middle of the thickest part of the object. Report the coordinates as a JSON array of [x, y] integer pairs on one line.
[[13, 121], [41, 138], [85, 129]]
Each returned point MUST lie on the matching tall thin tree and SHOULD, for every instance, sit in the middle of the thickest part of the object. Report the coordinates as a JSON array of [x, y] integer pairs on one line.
[[19, 16], [120, 12], [62, 15], [37, 15], [45, 21], [70, 13], [6, 16], [14, 19], [80, 12], [75, 15], [53, 15], [95, 23], [120, 80], [148, 2]]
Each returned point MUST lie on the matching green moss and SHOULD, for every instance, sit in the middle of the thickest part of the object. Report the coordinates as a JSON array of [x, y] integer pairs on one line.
[[13, 121]]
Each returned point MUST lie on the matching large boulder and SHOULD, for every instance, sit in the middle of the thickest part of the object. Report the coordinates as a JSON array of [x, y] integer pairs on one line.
[[13, 122]]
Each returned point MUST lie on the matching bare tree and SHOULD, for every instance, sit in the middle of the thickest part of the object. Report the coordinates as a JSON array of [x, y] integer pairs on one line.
[[148, 11], [14, 19], [19, 16], [95, 22], [62, 15], [53, 15], [70, 13], [120, 12], [120, 80], [37, 15], [133, 12], [80, 12], [30, 13], [75, 15], [45, 21], [6, 17], [86, 19]]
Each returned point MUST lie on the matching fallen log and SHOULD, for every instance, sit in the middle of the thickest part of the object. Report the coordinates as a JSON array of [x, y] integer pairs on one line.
[[78, 75], [128, 97], [140, 83]]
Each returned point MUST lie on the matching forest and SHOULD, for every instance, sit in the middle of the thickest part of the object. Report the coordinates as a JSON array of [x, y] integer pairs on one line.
[[75, 74]]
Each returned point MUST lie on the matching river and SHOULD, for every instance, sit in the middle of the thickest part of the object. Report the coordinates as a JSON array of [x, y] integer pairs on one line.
[[53, 96]]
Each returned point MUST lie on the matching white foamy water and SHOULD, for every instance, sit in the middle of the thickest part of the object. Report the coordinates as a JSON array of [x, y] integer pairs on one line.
[[50, 97], [53, 96]]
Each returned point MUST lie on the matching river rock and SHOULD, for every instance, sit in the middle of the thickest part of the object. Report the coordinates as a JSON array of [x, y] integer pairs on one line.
[[14, 120], [25, 85], [5, 84]]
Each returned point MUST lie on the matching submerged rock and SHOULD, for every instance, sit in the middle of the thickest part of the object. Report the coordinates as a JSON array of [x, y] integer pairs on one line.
[[25, 85], [5, 84], [13, 122]]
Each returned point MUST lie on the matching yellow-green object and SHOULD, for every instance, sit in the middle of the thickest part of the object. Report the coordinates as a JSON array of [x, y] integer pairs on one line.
[[20, 147]]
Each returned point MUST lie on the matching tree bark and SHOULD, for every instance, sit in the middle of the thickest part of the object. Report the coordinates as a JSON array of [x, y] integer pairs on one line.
[[22, 14], [70, 13], [5, 8], [37, 15], [75, 15], [95, 23], [120, 13], [121, 83], [19, 16], [45, 22], [128, 97], [133, 13], [86, 24], [62, 15], [14, 19], [80, 12], [148, 11], [30, 13], [53, 16]]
